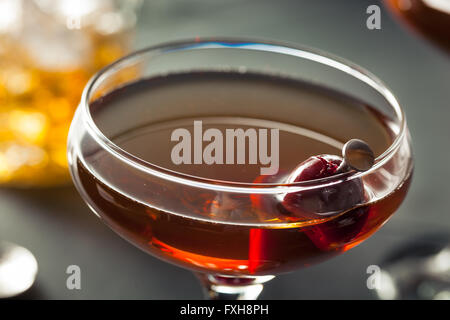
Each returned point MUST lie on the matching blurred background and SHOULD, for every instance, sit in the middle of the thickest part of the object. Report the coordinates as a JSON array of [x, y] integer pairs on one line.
[[40, 210]]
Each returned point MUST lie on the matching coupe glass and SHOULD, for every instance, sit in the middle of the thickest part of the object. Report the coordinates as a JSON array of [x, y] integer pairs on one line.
[[172, 198]]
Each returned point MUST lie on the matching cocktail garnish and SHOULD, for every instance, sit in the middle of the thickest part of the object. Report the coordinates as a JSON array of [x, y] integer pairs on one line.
[[335, 198]]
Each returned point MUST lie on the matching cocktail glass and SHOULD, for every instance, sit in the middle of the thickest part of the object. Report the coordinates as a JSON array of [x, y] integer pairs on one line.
[[167, 213]]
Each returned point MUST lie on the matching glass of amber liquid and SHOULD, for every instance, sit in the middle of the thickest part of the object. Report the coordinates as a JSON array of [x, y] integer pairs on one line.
[[48, 51], [429, 18], [228, 223]]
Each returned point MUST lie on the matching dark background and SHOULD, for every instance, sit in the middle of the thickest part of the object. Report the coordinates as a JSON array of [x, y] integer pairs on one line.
[[60, 230]]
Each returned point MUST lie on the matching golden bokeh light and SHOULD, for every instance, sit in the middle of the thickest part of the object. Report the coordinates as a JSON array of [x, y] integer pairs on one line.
[[37, 105]]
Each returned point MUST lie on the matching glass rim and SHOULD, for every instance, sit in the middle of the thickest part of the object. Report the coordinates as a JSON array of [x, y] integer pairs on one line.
[[304, 52]]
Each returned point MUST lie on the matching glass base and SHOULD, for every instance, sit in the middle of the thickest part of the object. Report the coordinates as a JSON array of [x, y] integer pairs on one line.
[[220, 287]]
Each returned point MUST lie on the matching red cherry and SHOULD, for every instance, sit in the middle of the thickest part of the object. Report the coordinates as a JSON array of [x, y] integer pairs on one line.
[[334, 199], [334, 234], [322, 201], [315, 167], [340, 231]]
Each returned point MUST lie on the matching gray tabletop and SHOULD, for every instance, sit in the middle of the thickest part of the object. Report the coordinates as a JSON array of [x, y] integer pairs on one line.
[[60, 230]]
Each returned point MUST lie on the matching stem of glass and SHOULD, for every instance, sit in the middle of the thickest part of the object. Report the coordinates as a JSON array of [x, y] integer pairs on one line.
[[219, 287]]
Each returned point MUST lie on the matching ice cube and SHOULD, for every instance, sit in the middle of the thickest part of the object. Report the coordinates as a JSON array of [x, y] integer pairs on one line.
[[50, 44]]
